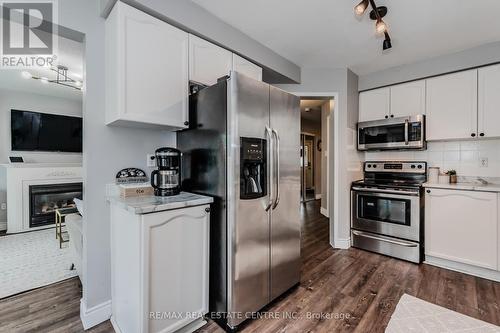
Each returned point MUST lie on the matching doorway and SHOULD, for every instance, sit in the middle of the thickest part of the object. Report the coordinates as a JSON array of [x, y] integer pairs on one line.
[[307, 167], [315, 114]]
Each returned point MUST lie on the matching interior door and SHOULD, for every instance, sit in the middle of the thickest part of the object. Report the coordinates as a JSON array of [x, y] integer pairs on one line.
[[248, 220], [285, 221], [309, 161]]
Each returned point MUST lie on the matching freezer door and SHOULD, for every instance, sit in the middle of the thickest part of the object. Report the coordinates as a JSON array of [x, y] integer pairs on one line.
[[285, 220], [248, 220]]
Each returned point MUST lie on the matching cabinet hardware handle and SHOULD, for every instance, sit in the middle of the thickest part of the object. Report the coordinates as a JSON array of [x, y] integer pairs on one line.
[[386, 117], [207, 209], [186, 123], [473, 134], [428, 191], [481, 134], [392, 116]]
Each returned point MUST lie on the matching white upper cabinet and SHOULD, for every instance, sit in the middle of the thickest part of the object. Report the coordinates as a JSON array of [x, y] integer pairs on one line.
[[146, 71], [462, 226], [408, 99], [247, 68], [207, 62], [451, 106], [489, 101], [374, 104]]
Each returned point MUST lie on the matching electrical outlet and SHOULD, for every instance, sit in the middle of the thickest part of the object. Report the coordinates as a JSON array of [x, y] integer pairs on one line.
[[483, 162], [3, 206], [151, 160]]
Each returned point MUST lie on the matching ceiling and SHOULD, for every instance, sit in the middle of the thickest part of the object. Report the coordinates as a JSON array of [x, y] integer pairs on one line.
[[314, 106], [69, 54], [326, 33]]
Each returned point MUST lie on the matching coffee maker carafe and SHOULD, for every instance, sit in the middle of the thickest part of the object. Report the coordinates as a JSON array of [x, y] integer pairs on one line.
[[166, 180]]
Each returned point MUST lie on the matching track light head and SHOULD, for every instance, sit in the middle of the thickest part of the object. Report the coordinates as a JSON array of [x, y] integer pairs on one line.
[[380, 26], [387, 42], [361, 7]]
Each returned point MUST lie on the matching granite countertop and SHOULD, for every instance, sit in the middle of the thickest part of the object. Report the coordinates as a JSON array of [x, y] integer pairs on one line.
[[466, 186], [152, 204]]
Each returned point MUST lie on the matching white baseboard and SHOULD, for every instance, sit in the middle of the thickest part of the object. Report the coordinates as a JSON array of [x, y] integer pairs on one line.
[[95, 315], [318, 196], [115, 325], [463, 268], [3, 226], [324, 212], [342, 243]]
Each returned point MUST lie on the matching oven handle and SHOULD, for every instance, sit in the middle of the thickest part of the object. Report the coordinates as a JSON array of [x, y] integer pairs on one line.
[[361, 189], [406, 133], [402, 243]]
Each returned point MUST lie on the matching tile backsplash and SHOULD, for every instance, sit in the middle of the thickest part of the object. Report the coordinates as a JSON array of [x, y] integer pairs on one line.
[[465, 156]]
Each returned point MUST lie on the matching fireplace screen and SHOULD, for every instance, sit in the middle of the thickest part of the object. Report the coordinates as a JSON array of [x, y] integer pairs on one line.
[[45, 199]]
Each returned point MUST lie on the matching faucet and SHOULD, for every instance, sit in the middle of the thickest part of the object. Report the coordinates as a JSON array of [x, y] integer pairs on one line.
[[482, 181]]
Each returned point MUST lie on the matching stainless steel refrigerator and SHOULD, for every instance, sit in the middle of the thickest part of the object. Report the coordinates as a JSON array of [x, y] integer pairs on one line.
[[242, 148]]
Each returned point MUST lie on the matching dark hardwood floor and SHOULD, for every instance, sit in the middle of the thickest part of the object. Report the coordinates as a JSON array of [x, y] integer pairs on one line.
[[358, 290]]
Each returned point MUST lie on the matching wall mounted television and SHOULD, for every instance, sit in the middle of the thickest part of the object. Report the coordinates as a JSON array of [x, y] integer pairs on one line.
[[35, 131]]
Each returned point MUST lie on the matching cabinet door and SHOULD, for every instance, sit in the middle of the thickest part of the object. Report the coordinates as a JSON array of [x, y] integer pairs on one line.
[[462, 226], [247, 68], [207, 61], [175, 246], [489, 101], [155, 69], [408, 99], [451, 106], [374, 104]]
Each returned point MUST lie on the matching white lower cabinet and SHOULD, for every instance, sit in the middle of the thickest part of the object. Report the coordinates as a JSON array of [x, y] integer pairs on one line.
[[462, 227], [159, 269]]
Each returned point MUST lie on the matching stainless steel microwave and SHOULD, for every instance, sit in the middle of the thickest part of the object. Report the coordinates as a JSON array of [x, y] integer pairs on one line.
[[392, 133]]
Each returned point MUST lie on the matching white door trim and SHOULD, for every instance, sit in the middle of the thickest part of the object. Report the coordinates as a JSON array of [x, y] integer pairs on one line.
[[333, 200]]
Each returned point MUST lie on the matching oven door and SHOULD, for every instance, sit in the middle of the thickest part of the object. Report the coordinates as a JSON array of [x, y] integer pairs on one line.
[[395, 133], [386, 212]]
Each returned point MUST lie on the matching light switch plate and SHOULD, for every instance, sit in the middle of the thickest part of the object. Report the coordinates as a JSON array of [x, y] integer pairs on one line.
[[3, 206], [483, 162], [151, 160]]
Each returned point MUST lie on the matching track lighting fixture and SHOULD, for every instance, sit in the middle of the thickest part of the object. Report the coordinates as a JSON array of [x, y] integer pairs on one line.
[[361, 7], [387, 42], [376, 14], [380, 26]]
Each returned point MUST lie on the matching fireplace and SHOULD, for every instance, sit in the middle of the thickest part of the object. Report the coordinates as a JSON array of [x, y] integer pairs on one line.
[[45, 199]]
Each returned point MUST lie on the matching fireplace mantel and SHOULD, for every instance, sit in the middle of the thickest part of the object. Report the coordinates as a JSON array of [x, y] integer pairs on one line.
[[19, 177]]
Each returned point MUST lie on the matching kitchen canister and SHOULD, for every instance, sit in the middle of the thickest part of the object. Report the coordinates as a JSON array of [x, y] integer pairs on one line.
[[444, 179], [433, 176]]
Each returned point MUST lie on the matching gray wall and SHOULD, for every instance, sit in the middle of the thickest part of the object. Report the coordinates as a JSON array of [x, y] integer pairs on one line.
[[3, 197], [106, 149], [478, 56], [347, 166], [192, 18]]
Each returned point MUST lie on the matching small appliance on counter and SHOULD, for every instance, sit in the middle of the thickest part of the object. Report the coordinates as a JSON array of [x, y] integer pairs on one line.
[[167, 179], [388, 209]]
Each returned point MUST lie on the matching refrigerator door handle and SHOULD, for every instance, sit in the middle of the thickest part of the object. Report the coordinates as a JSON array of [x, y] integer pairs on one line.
[[277, 200], [269, 135]]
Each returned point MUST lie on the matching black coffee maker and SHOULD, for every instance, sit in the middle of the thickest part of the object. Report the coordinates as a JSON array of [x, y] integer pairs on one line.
[[167, 179]]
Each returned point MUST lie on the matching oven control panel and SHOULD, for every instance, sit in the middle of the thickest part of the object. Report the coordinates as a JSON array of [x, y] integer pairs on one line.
[[406, 167]]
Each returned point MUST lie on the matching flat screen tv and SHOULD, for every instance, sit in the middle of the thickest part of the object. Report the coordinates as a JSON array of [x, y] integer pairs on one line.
[[34, 131]]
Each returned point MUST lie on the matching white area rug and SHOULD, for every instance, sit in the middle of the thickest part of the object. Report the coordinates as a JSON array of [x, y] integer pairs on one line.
[[32, 260], [415, 315]]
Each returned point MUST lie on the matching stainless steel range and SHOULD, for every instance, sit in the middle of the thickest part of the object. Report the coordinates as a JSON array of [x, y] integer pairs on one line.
[[388, 209]]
